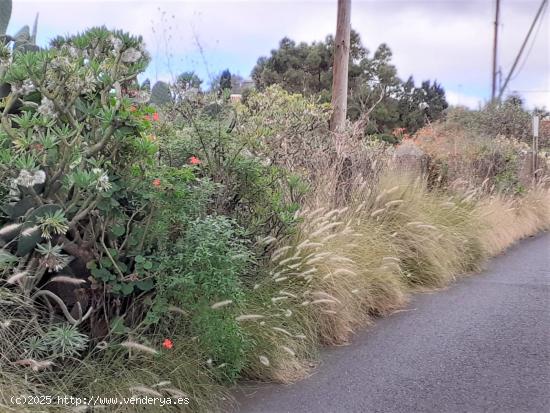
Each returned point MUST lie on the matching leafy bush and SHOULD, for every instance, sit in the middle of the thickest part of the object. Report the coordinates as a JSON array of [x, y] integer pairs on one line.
[[507, 119], [260, 196], [87, 213], [460, 150], [73, 152], [203, 268], [286, 129]]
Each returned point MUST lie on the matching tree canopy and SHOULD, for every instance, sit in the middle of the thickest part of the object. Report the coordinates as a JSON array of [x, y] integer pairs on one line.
[[375, 90]]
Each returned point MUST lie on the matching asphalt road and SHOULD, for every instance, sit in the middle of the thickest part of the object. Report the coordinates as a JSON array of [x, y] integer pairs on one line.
[[482, 345]]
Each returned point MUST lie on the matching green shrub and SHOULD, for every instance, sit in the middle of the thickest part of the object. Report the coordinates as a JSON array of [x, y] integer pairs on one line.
[[203, 268], [288, 130], [261, 196], [73, 151]]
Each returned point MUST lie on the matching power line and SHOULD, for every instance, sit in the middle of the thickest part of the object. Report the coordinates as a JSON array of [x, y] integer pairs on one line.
[[530, 48], [539, 12]]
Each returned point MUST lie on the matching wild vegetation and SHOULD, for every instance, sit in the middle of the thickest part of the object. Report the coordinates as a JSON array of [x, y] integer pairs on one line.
[[169, 250], [377, 96]]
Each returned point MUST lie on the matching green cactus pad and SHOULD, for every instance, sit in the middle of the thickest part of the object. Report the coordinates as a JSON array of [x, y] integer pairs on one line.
[[5, 15]]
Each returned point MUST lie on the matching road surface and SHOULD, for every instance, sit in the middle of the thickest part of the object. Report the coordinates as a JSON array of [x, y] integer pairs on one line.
[[482, 345]]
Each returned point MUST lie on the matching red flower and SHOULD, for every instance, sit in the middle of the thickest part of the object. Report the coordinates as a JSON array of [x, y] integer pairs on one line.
[[155, 116], [167, 344], [147, 117], [194, 160], [156, 182]]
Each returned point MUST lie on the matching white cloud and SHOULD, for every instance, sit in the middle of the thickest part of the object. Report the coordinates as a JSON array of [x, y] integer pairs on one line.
[[439, 39], [459, 99]]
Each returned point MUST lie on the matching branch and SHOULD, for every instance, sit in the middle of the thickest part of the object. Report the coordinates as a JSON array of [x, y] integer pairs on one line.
[[63, 307]]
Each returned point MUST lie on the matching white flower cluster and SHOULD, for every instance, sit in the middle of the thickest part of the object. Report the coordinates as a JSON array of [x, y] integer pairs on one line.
[[117, 44], [130, 55], [103, 183], [47, 108], [28, 179], [24, 88]]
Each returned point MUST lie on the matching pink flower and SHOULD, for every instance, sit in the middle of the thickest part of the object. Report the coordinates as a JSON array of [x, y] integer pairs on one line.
[[194, 160]]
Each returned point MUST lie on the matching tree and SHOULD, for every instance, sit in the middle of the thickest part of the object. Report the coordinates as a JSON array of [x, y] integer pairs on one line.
[[377, 96], [305, 68], [160, 93], [189, 80], [237, 83], [225, 80]]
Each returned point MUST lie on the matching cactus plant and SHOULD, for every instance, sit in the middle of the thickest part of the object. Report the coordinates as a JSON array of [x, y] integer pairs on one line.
[[23, 40], [5, 15]]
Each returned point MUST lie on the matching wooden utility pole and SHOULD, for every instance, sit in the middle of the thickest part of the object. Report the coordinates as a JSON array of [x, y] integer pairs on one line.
[[340, 66], [495, 48]]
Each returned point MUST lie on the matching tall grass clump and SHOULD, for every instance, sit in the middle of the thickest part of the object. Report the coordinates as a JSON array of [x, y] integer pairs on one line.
[[508, 219], [345, 266], [435, 236]]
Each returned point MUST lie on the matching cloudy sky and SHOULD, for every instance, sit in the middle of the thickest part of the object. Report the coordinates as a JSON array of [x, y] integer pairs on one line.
[[446, 40]]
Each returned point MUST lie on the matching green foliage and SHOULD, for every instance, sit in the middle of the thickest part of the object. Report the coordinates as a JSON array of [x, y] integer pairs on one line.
[[161, 94], [188, 80], [249, 188], [288, 130], [377, 96], [225, 80], [64, 341], [75, 155], [508, 119], [202, 268], [209, 262]]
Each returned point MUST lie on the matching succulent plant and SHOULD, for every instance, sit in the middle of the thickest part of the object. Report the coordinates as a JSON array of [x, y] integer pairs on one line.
[[5, 15], [23, 40], [71, 142]]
